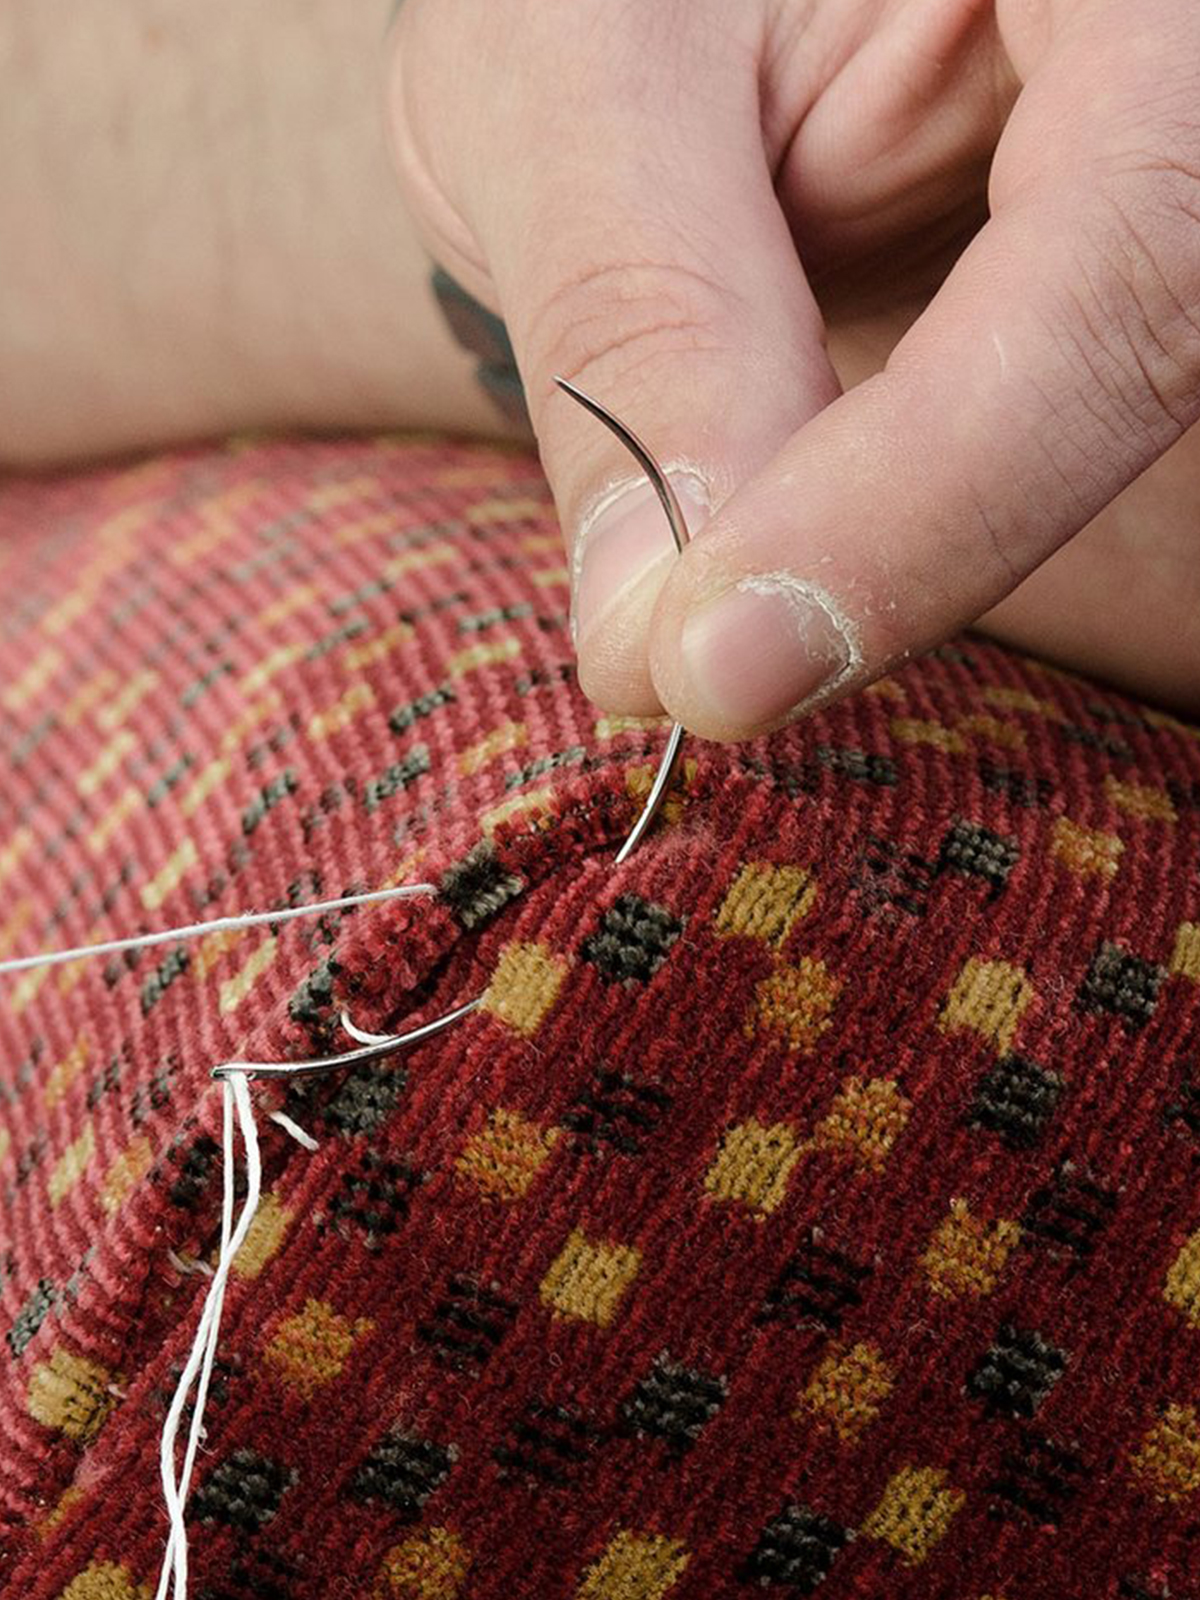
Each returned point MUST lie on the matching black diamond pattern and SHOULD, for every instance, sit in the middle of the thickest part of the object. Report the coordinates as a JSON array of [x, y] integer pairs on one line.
[[243, 1491], [1038, 1480], [632, 940], [468, 1323], [674, 1402], [365, 1098], [977, 852], [818, 1288], [618, 1110], [373, 1197], [548, 1444], [478, 886], [1016, 1100], [796, 1550], [32, 1314], [1122, 984], [1068, 1214], [1017, 1373], [404, 1471]]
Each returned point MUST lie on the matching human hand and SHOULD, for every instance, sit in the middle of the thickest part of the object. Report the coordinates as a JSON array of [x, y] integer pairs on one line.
[[648, 194]]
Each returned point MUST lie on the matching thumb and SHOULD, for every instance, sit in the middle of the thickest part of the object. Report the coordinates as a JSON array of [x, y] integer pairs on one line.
[[647, 260], [1059, 359]]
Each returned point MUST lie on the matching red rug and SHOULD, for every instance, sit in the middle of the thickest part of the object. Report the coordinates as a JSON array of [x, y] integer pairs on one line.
[[812, 1207]]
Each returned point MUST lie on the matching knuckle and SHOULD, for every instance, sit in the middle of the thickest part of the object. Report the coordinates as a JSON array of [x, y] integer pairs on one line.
[[619, 321], [1143, 300]]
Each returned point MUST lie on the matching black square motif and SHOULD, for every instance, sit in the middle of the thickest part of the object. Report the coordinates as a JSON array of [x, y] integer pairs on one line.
[[404, 1471], [365, 1098], [1017, 1373], [243, 1491], [673, 1402], [1068, 1214], [796, 1550], [616, 1109], [1016, 1100], [478, 886], [977, 852], [30, 1317], [1038, 1481], [1123, 984], [632, 940], [818, 1287], [548, 1444], [468, 1323]]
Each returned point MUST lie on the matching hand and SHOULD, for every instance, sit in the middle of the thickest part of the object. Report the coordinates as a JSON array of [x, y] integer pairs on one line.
[[650, 195]]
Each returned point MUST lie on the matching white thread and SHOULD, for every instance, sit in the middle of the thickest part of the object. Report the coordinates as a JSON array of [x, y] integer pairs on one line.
[[360, 1034], [235, 1102], [194, 930], [294, 1128], [235, 1098], [185, 1267]]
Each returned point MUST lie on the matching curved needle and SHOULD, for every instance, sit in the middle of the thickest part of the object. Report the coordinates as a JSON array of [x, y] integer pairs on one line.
[[374, 1046], [679, 532]]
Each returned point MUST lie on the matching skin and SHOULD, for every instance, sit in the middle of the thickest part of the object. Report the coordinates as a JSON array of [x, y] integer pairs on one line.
[[999, 201], [757, 232]]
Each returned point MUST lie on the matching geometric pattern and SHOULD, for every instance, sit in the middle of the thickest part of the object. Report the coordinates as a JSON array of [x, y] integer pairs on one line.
[[1016, 1100], [403, 1470], [976, 852], [588, 1280], [917, 1508], [1122, 984], [634, 1568], [796, 1550], [632, 940], [848, 1389], [810, 1206], [1017, 1372], [673, 1402], [967, 1255], [243, 1491]]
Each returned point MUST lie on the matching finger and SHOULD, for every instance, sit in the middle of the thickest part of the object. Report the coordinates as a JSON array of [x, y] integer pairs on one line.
[[635, 245], [1060, 358]]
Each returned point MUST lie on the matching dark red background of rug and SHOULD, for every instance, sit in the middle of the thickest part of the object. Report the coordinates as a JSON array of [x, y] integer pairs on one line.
[[812, 1207]]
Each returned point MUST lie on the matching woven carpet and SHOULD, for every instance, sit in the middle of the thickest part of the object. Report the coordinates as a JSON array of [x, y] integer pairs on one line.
[[812, 1207]]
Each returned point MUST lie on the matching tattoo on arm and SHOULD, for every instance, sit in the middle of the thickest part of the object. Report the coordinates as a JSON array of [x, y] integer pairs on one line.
[[484, 335]]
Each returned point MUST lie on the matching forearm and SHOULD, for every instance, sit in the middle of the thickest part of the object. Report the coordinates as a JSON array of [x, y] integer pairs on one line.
[[199, 232]]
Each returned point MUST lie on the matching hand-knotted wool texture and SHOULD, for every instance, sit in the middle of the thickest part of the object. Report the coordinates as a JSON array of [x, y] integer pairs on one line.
[[812, 1207]]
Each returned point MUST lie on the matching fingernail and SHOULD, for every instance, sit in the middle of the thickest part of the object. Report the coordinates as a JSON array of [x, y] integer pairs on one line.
[[622, 541], [763, 649]]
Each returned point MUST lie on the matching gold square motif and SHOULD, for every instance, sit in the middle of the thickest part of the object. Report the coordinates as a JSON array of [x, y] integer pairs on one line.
[[1169, 1457], [104, 1580], [1088, 852], [865, 1120], [1185, 959], [310, 1349], [264, 1236], [765, 901], [795, 1003], [1183, 1281], [586, 1280], [634, 1567], [1140, 800], [71, 1394], [990, 998], [915, 1513], [431, 1565], [967, 1255], [524, 985], [753, 1165], [848, 1389], [506, 1155]]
